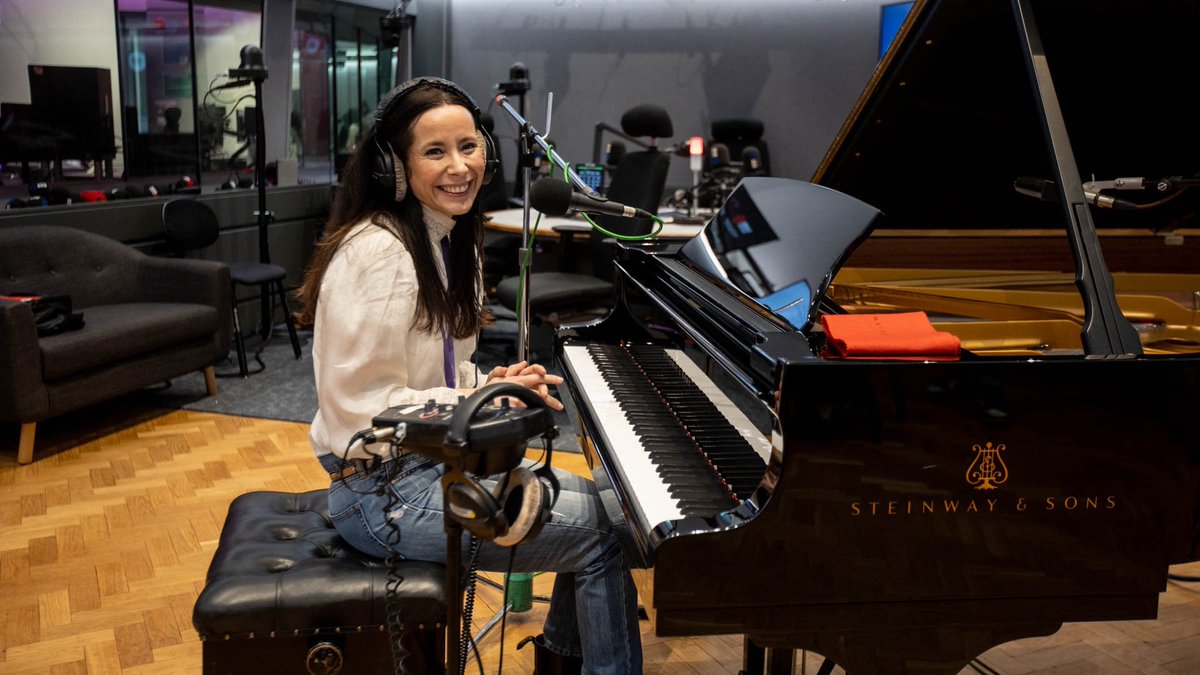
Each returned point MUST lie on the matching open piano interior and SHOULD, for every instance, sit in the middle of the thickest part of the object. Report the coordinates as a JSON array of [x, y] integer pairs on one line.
[[907, 514]]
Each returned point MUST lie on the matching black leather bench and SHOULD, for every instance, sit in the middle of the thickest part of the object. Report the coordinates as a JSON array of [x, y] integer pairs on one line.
[[285, 594]]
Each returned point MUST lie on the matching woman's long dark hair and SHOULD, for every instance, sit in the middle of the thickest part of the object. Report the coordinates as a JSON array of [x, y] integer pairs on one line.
[[458, 310]]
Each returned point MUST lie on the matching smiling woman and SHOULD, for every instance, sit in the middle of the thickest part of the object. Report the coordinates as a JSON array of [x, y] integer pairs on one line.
[[395, 296]]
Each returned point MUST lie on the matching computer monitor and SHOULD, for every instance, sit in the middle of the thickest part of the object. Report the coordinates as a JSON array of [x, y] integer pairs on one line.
[[890, 18], [593, 175]]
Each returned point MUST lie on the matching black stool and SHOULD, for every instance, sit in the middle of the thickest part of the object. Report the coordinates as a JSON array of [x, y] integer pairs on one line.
[[285, 594]]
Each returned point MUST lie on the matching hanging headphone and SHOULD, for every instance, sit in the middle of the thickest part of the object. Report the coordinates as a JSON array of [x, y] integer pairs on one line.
[[387, 169], [520, 505]]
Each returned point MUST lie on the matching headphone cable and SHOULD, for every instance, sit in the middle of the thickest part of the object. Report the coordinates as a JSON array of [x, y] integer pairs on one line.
[[512, 555]]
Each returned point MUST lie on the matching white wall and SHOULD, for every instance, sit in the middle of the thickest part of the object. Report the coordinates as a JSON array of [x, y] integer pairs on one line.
[[54, 33], [57, 33]]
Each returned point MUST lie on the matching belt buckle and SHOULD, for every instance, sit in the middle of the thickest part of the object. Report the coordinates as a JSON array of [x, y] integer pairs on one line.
[[355, 466]]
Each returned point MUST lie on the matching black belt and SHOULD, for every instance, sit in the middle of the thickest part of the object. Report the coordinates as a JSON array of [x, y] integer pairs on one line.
[[351, 467]]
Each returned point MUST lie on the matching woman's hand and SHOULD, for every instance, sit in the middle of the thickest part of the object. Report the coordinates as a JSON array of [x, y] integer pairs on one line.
[[532, 376]]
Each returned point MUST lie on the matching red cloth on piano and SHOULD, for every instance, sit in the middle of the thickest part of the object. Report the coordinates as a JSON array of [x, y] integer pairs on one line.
[[907, 335]]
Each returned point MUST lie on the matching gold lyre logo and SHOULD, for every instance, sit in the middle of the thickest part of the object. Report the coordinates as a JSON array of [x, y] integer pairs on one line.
[[988, 471]]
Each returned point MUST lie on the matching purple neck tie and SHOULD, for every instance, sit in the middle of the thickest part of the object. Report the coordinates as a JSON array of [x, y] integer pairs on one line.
[[447, 340]]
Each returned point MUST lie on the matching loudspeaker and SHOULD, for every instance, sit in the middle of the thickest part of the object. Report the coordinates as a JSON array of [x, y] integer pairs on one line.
[[520, 504], [387, 169]]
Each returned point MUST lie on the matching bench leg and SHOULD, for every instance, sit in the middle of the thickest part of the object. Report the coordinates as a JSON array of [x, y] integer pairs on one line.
[[210, 380], [25, 447]]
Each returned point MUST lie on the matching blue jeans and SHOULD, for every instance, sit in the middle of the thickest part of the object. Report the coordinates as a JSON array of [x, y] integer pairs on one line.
[[593, 607]]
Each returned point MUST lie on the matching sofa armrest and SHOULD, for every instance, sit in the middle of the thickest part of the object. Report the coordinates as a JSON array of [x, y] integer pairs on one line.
[[184, 280], [204, 282], [23, 396]]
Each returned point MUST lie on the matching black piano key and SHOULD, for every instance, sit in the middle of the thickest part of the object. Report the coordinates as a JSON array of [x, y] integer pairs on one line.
[[695, 450]]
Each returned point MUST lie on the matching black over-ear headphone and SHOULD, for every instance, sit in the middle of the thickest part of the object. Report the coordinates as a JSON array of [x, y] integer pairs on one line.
[[385, 171], [521, 502]]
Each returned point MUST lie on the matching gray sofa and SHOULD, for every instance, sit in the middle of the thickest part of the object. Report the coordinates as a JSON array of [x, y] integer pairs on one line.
[[147, 319]]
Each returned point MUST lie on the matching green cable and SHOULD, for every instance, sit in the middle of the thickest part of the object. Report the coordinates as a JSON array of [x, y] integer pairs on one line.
[[533, 234]]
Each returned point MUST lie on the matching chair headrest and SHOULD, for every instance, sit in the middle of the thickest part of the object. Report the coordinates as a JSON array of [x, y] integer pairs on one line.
[[737, 129], [189, 224], [647, 119]]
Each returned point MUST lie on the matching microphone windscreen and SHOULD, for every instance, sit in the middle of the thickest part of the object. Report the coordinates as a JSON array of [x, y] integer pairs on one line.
[[550, 196], [718, 154], [751, 158], [616, 150]]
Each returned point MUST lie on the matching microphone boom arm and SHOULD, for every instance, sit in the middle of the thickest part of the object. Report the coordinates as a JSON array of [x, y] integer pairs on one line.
[[578, 182]]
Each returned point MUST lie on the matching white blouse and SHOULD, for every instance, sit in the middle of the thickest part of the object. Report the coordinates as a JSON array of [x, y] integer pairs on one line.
[[368, 354]]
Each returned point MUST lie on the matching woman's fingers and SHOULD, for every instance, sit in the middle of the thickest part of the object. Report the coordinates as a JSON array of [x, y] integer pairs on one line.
[[532, 376]]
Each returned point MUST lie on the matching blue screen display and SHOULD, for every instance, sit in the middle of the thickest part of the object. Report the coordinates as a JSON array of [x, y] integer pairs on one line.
[[891, 16], [592, 174]]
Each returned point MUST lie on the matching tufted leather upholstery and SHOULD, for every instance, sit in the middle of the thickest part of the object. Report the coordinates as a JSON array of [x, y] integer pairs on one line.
[[280, 569]]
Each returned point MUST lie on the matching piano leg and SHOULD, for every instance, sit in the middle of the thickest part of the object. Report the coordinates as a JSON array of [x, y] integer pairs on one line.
[[758, 660], [753, 657]]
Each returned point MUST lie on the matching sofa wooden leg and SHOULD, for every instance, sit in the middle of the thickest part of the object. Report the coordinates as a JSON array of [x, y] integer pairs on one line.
[[210, 380], [25, 447]]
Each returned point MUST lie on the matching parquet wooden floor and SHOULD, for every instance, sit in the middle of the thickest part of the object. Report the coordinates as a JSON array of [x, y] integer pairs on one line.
[[105, 540]]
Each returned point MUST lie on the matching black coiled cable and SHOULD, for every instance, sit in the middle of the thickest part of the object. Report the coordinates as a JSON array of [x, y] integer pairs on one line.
[[465, 639], [391, 596]]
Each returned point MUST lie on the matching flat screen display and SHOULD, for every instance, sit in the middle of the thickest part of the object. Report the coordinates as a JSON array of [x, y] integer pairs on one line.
[[891, 17]]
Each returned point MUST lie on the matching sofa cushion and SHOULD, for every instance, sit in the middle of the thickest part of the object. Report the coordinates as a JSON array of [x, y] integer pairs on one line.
[[115, 332]]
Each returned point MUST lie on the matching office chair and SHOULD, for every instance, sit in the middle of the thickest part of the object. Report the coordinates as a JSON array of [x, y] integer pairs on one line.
[[585, 284], [743, 139], [189, 225]]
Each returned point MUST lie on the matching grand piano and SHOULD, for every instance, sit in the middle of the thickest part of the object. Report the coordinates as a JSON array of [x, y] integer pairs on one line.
[[904, 515]]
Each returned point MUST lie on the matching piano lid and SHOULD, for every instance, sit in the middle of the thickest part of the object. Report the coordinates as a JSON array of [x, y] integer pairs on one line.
[[778, 242], [949, 118]]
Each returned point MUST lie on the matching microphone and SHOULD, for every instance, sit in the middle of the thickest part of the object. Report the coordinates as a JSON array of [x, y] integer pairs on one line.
[[1044, 190], [554, 197], [751, 159], [614, 153], [718, 156]]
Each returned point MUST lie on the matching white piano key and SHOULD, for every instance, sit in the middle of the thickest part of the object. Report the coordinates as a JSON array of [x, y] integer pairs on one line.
[[651, 496]]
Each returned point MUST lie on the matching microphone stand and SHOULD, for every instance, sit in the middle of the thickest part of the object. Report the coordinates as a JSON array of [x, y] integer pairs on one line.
[[251, 69], [529, 136]]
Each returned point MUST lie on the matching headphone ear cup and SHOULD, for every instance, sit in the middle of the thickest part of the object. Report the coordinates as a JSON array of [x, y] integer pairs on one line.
[[490, 163], [476, 510], [399, 175], [525, 503], [388, 171]]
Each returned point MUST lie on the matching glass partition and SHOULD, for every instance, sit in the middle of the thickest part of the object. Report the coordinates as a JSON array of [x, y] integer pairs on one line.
[[132, 98], [226, 105], [311, 110]]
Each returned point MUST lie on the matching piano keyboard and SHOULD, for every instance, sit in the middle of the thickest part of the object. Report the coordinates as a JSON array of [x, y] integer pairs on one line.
[[681, 444]]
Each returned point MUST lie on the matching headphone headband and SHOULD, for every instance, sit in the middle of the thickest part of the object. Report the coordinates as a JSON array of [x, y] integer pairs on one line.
[[404, 87], [386, 170]]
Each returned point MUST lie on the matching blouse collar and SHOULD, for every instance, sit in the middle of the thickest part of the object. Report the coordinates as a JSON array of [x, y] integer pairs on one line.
[[439, 224]]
